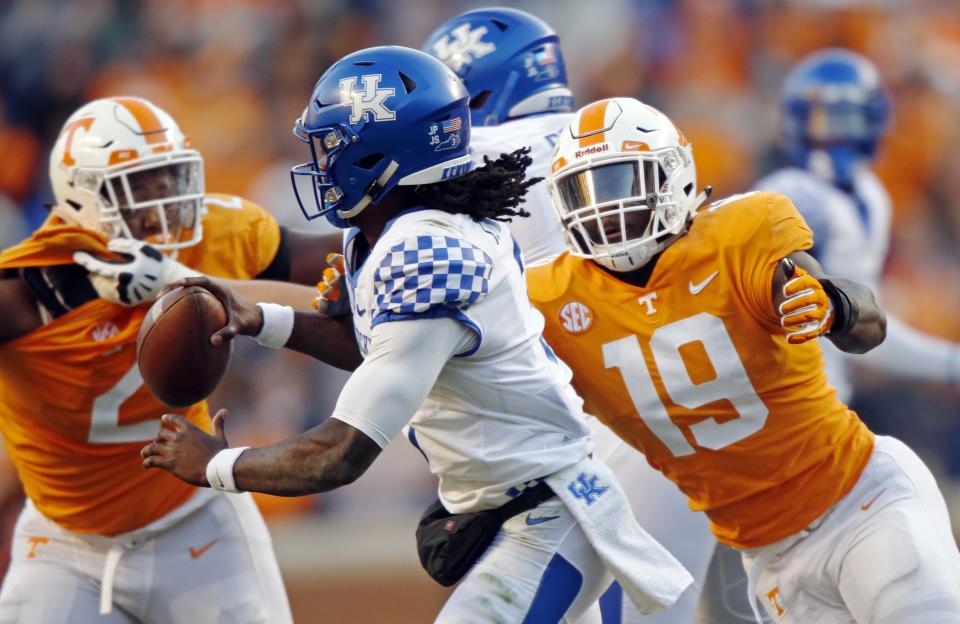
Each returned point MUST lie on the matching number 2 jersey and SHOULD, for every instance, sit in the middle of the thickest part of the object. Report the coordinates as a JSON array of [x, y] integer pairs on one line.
[[694, 371], [74, 412]]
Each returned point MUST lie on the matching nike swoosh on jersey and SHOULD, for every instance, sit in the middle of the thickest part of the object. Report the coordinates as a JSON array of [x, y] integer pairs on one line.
[[196, 553], [696, 288], [531, 520]]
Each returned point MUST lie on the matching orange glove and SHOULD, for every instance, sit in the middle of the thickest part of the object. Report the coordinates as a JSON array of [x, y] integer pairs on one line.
[[331, 300], [806, 312]]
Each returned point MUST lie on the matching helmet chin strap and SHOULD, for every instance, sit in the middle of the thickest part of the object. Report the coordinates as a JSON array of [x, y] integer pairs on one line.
[[373, 191]]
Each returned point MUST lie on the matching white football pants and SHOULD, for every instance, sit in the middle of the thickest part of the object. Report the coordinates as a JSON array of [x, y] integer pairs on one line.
[[209, 561]]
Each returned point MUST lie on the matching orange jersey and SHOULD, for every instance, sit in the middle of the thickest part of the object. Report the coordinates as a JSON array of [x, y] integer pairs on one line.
[[694, 370], [74, 412]]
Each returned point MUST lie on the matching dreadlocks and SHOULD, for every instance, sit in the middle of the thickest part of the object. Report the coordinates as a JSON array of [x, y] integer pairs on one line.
[[493, 191]]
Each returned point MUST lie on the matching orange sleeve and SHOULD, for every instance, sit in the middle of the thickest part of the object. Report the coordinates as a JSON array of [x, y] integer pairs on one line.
[[240, 239], [779, 232]]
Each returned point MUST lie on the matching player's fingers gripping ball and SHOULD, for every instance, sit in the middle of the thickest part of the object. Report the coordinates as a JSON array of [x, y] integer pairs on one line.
[[330, 299], [806, 311]]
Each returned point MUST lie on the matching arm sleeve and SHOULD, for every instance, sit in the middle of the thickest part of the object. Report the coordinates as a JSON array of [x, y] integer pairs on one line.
[[909, 353], [401, 367]]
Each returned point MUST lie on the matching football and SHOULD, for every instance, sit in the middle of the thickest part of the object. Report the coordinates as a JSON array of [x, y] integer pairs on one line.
[[176, 359]]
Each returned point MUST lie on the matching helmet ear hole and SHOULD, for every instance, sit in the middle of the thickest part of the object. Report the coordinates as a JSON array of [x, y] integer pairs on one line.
[[688, 189]]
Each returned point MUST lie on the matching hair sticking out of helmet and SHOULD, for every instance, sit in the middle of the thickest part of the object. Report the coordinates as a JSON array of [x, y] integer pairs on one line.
[[509, 60], [122, 167], [493, 191], [834, 104], [379, 118], [623, 183]]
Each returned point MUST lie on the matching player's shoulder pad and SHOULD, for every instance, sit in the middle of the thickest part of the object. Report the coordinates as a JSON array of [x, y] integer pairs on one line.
[[549, 279], [426, 270], [220, 208], [739, 218]]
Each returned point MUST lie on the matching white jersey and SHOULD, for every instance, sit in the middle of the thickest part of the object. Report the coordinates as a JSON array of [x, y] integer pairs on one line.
[[851, 233], [539, 235], [501, 413]]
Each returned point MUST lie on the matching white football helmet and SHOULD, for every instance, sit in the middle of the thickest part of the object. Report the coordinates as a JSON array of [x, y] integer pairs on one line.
[[623, 182], [122, 167]]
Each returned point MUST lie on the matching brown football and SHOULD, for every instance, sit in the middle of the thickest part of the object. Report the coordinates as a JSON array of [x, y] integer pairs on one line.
[[176, 359]]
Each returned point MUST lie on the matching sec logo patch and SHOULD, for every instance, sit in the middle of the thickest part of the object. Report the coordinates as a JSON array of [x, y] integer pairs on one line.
[[576, 317]]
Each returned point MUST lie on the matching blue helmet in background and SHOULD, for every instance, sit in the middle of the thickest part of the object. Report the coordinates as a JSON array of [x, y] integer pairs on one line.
[[833, 101], [379, 118], [509, 60]]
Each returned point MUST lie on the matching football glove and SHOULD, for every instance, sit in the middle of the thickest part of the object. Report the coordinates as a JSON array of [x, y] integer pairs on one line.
[[331, 299], [138, 277], [806, 311]]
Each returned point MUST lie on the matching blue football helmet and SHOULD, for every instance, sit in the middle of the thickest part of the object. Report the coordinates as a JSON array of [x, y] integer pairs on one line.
[[509, 60], [833, 102], [379, 118]]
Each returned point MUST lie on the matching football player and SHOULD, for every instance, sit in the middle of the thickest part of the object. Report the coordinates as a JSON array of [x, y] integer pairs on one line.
[[99, 535], [444, 338], [834, 113], [691, 334], [512, 66]]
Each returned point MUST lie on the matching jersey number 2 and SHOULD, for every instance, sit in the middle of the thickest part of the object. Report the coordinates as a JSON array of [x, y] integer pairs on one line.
[[105, 427], [731, 383]]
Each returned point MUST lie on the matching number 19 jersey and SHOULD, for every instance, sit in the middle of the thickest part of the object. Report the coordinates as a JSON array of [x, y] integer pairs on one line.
[[694, 370]]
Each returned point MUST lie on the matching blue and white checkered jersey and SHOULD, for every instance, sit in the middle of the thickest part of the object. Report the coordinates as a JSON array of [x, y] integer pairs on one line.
[[539, 235], [501, 412], [851, 234]]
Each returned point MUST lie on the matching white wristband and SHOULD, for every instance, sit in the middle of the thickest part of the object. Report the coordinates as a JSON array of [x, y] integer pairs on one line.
[[277, 325], [220, 469]]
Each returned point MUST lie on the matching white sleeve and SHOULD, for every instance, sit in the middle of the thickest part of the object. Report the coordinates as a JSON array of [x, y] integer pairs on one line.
[[403, 363], [910, 353]]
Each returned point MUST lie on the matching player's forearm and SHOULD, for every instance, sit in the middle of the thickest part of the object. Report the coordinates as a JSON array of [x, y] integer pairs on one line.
[[869, 327], [319, 460], [908, 352], [330, 340], [298, 297]]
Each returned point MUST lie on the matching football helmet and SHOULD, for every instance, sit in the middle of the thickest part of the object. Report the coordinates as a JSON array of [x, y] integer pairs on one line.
[[509, 60], [122, 167], [833, 103], [623, 182], [379, 118]]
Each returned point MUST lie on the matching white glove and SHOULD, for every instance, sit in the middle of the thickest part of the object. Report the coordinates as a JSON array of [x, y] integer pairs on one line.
[[136, 279]]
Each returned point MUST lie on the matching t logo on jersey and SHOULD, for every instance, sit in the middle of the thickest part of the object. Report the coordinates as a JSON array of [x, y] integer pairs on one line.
[[465, 48], [576, 317], [371, 99], [586, 489]]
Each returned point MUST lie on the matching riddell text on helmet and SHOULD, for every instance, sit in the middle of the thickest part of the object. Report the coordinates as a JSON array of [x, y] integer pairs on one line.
[[596, 149]]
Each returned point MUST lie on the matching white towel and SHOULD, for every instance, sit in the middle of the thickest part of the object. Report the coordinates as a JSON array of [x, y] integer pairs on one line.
[[650, 576]]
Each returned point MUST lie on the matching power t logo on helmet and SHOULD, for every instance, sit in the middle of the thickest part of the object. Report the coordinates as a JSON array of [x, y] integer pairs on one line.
[[356, 157], [509, 60], [122, 167]]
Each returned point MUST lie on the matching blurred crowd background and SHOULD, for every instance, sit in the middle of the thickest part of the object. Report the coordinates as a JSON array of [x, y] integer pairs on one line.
[[236, 73]]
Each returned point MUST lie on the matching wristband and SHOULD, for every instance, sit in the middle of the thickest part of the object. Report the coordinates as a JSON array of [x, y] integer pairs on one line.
[[277, 325], [845, 310], [220, 469]]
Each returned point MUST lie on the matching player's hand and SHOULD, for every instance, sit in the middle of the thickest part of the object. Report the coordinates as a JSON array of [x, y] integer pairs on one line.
[[243, 318], [183, 449], [332, 299], [806, 311], [138, 277]]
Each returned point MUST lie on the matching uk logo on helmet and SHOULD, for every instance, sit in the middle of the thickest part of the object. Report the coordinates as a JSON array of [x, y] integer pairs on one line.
[[370, 99], [465, 48]]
